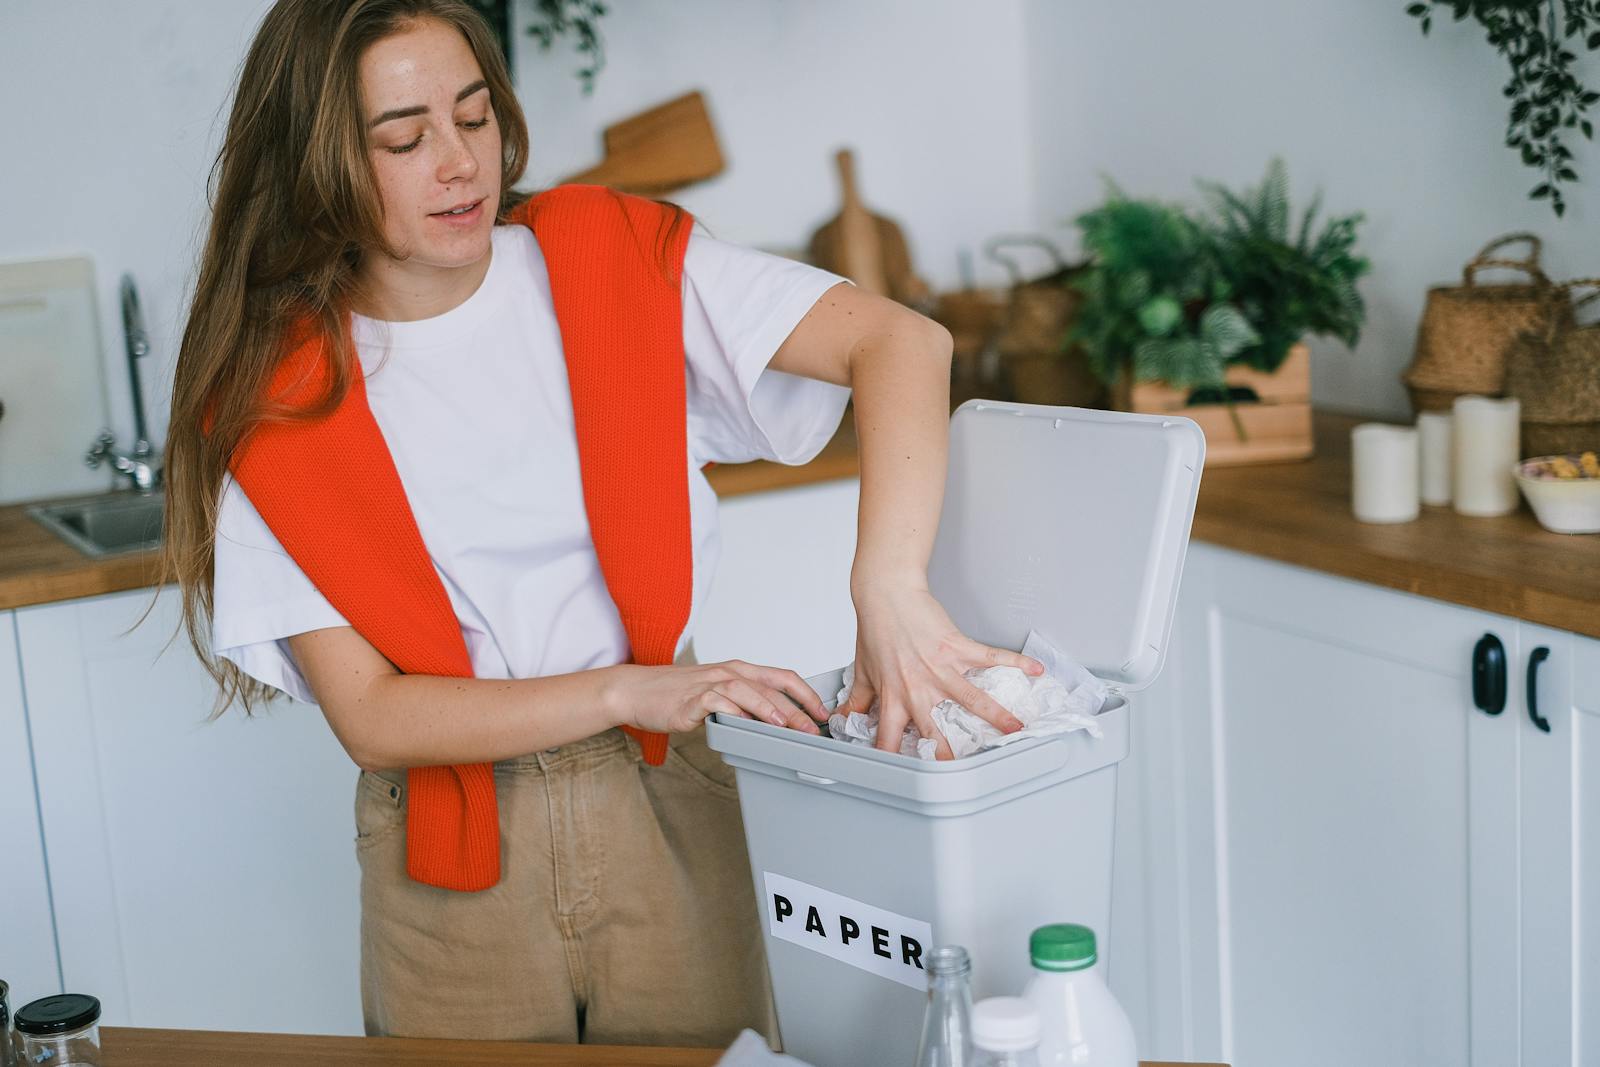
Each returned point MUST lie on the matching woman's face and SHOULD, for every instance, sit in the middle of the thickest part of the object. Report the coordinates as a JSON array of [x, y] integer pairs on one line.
[[434, 144]]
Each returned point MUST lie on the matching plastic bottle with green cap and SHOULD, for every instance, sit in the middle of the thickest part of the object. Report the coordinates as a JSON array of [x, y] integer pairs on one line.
[[1080, 1022]]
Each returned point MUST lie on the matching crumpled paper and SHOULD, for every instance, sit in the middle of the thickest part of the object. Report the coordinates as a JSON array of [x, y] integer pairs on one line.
[[750, 1049], [1066, 697]]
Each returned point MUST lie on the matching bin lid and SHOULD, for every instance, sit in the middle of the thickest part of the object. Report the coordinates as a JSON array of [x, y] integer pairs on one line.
[[1071, 522]]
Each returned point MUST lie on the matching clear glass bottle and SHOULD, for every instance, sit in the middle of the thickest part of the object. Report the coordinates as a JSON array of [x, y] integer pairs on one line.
[[1005, 1033], [61, 1031], [8, 1052], [947, 1027]]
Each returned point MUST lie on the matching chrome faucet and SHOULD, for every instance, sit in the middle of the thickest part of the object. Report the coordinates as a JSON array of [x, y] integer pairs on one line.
[[137, 466]]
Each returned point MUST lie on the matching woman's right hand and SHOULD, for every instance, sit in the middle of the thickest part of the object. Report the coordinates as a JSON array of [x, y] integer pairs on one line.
[[676, 699]]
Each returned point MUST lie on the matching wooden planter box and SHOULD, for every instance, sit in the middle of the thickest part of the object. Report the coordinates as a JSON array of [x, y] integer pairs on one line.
[[1277, 428]]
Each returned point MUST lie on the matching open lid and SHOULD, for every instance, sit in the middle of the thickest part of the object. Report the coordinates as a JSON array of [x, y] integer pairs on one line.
[[1071, 522]]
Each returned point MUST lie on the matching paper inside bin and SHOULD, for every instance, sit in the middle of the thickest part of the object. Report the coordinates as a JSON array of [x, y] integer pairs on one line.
[[1066, 697]]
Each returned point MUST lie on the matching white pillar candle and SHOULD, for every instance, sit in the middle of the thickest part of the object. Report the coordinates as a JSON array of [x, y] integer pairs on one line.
[[1487, 435], [1386, 484], [1433, 427]]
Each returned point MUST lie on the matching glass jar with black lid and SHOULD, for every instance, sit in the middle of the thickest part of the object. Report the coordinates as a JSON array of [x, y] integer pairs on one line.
[[61, 1030]]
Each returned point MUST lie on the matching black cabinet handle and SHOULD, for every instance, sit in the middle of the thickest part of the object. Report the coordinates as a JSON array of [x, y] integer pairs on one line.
[[1489, 675], [1538, 656]]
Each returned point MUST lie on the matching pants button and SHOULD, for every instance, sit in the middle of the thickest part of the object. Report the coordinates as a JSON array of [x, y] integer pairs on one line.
[[552, 751]]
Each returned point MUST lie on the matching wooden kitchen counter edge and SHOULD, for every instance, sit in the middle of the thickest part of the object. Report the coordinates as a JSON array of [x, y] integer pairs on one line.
[[1294, 512], [128, 1047]]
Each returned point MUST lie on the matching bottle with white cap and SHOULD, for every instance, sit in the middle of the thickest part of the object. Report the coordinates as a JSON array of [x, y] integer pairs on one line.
[[1005, 1033], [1081, 1023]]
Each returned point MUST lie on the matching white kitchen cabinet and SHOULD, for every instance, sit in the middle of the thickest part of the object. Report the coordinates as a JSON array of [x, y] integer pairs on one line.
[[1559, 992], [1331, 827], [1328, 854], [781, 595], [203, 873], [27, 932], [1584, 933]]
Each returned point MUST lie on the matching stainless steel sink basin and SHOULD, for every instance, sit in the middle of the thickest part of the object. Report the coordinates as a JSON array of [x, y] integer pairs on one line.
[[106, 525]]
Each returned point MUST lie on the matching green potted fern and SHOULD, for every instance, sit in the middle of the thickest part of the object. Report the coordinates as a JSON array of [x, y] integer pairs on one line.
[[1205, 314]]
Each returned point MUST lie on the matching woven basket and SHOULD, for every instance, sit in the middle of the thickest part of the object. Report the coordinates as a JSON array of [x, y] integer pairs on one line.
[[1467, 330], [1038, 315], [1555, 373]]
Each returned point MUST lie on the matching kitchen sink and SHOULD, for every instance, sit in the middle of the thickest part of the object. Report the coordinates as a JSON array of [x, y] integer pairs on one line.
[[106, 525]]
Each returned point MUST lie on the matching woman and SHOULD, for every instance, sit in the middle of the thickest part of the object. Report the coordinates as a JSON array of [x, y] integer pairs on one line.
[[405, 483]]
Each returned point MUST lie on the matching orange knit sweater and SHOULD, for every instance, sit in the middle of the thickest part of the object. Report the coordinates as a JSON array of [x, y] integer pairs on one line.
[[330, 493]]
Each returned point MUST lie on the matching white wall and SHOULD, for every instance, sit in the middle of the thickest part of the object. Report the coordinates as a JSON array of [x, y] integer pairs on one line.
[[113, 113], [968, 120], [115, 109], [931, 95], [1405, 128]]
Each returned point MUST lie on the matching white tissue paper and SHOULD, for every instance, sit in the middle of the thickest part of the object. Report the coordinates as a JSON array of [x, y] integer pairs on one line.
[[1064, 698], [750, 1049]]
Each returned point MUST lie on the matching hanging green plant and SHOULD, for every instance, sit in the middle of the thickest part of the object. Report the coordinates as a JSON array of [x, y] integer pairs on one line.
[[557, 18], [1547, 99]]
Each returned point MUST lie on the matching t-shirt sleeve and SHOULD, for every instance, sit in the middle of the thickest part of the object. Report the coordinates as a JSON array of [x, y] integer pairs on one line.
[[739, 305], [261, 598]]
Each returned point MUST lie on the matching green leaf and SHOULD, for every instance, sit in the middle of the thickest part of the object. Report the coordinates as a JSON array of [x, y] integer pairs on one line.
[[1160, 315], [1223, 327], [1539, 192], [1182, 362]]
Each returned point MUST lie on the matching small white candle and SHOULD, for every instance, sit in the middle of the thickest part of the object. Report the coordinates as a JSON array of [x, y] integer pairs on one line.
[[1386, 484], [1433, 427], [1487, 435]]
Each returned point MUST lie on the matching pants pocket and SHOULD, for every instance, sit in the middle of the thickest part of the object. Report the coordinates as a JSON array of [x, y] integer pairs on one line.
[[380, 807], [692, 758]]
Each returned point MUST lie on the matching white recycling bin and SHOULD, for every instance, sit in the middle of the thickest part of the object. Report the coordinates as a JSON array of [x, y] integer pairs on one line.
[[1070, 522]]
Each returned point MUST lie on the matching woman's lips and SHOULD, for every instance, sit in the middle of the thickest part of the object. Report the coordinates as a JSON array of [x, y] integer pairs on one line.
[[465, 218]]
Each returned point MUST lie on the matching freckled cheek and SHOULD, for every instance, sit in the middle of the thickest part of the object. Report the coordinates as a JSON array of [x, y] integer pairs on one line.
[[400, 192]]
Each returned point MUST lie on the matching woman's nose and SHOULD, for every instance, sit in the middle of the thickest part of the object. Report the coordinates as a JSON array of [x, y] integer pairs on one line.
[[458, 160]]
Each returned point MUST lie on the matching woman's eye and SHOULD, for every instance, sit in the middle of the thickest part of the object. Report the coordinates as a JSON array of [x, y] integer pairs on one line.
[[402, 149]]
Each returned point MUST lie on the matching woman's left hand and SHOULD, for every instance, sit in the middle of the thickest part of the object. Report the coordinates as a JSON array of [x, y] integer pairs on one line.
[[910, 657]]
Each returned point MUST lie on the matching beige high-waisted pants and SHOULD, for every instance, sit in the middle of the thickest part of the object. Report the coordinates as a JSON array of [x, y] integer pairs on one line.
[[624, 914]]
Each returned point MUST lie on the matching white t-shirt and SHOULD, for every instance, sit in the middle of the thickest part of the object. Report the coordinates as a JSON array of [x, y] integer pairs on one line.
[[475, 408]]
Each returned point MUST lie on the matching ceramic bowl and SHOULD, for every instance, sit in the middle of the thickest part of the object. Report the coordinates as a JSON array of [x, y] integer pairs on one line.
[[1562, 505]]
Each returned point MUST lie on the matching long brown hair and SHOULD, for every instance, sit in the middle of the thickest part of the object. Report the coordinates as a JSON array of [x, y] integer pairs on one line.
[[295, 207]]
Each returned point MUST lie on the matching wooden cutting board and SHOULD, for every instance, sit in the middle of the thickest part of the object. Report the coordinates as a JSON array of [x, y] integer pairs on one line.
[[865, 247], [658, 151], [52, 380]]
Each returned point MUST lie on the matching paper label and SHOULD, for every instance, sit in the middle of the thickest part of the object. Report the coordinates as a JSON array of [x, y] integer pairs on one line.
[[869, 938]]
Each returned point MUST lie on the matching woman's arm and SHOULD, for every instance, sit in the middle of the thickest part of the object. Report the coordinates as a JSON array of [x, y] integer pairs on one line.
[[386, 719], [909, 655]]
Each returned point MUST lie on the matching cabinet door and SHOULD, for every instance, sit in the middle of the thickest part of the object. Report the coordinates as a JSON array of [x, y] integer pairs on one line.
[[1586, 853], [1560, 855], [1352, 842], [203, 872], [27, 930], [781, 595]]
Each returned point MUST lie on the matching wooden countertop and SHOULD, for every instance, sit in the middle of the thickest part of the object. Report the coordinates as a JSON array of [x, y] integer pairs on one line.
[[1295, 512], [126, 1047], [37, 567], [1300, 513]]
